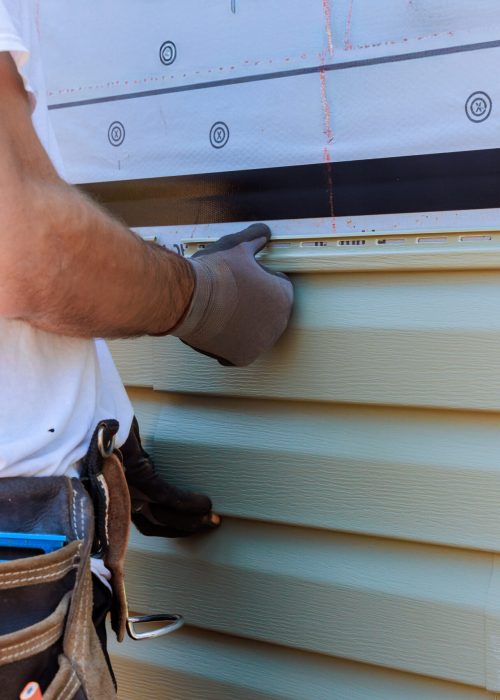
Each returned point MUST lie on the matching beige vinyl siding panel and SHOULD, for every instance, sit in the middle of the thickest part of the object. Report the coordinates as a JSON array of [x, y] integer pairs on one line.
[[426, 339], [412, 607], [357, 467], [134, 358], [431, 476], [198, 665], [148, 405]]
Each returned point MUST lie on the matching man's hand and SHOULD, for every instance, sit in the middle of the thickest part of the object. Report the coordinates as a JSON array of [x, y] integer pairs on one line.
[[68, 267], [239, 308], [158, 508]]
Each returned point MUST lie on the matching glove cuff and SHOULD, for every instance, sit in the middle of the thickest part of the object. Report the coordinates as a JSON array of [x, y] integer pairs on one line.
[[200, 301], [214, 301]]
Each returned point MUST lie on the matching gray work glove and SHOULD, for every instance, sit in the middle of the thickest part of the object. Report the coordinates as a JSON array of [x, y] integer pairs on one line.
[[239, 308]]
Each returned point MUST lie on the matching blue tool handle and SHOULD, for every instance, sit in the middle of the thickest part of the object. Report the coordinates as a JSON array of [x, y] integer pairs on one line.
[[22, 540]]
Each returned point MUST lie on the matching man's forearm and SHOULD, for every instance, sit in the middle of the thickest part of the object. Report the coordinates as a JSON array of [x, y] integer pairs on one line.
[[66, 266], [84, 274]]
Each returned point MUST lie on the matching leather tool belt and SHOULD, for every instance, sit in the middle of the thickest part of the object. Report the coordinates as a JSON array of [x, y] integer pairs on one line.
[[46, 629]]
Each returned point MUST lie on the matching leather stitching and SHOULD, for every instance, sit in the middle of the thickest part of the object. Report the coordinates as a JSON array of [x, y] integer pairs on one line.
[[81, 611], [43, 641], [78, 505], [72, 681], [45, 577], [72, 690], [82, 519], [65, 562], [73, 515], [60, 564], [85, 609]]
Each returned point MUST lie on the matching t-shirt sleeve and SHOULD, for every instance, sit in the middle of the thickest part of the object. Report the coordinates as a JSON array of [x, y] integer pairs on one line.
[[12, 42]]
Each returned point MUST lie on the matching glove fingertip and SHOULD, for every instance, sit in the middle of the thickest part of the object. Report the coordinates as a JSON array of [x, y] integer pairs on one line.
[[214, 520], [257, 244], [257, 230], [201, 503]]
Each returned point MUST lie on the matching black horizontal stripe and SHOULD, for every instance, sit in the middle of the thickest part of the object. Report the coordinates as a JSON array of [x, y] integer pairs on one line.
[[344, 65], [436, 182]]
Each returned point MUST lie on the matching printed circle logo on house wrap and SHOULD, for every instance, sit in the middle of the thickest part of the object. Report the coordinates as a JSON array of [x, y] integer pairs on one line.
[[116, 133], [478, 106], [219, 134], [168, 53]]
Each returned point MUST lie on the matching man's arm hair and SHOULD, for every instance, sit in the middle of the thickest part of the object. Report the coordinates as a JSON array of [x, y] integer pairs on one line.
[[66, 266]]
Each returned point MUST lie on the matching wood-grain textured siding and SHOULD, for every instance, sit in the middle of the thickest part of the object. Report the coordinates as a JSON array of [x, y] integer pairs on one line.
[[357, 467], [199, 665]]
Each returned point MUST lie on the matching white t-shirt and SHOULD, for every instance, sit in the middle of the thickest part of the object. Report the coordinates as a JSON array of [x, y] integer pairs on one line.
[[53, 389]]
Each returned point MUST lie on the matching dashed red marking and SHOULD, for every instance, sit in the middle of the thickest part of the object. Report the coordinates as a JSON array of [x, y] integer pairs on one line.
[[303, 56], [327, 129], [328, 25], [347, 35], [329, 180]]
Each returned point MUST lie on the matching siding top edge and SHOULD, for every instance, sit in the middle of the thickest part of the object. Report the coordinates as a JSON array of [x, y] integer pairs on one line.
[[370, 252]]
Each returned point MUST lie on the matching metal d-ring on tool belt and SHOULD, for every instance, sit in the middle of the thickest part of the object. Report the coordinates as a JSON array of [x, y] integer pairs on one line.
[[49, 528]]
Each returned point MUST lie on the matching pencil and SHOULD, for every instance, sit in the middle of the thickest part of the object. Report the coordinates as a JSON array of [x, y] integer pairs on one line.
[[31, 692]]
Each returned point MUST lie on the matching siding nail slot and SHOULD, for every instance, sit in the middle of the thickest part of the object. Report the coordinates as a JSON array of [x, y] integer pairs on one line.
[[391, 241], [432, 239], [473, 239], [352, 241]]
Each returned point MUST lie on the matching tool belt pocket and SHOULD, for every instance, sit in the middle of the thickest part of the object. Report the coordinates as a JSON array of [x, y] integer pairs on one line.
[[46, 629]]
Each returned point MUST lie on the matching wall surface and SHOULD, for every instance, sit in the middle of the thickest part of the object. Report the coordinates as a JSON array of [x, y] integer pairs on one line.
[[356, 467]]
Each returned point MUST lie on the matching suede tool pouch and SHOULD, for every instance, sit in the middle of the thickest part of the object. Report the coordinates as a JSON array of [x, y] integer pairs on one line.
[[46, 629]]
